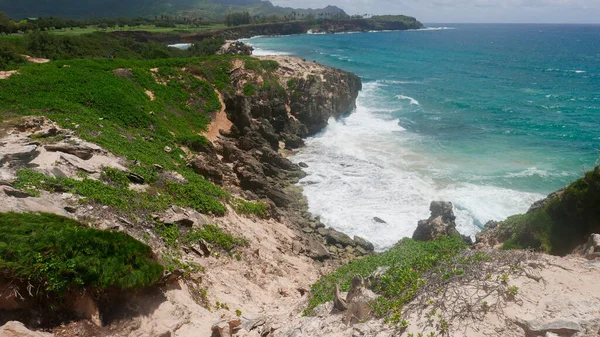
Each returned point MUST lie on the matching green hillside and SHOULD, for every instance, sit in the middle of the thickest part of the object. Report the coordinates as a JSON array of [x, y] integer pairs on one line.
[[215, 9]]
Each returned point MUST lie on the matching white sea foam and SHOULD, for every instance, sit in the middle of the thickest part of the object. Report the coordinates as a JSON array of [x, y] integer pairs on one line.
[[362, 167], [182, 46], [408, 98], [431, 29], [264, 52]]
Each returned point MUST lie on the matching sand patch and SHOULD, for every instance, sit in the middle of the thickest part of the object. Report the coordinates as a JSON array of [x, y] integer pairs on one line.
[[150, 94], [220, 122], [38, 60], [6, 74]]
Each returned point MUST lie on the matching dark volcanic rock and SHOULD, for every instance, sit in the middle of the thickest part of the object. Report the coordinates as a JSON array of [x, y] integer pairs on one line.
[[334, 237], [364, 244], [441, 222]]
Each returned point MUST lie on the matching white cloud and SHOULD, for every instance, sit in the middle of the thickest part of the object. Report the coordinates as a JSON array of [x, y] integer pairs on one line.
[[547, 11]]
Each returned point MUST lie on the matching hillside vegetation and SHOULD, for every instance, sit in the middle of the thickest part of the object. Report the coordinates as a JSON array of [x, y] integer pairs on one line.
[[56, 255], [206, 9], [562, 222]]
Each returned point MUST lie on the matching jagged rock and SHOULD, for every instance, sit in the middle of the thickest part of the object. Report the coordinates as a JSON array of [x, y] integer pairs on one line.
[[379, 220], [17, 154], [296, 247], [78, 163], [541, 203], [30, 123], [171, 277], [359, 301], [82, 152], [11, 192], [317, 251], [366, 245], [18, 329], [135, 178], [226, 328], [441, 222], [202, 248], [561, 327], [338, 302], [235, 48], [51, 132], [334, 237], [591, 249], [208, 166], [303, 165], [70, 209]]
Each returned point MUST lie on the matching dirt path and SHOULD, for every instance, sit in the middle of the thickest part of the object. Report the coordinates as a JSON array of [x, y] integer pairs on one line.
[[220, 122]]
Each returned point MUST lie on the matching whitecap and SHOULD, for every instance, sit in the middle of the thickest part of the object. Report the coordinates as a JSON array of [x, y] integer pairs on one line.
[[410, 99]]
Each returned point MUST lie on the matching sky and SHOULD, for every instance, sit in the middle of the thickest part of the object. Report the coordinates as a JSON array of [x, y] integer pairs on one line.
[[468, 11]]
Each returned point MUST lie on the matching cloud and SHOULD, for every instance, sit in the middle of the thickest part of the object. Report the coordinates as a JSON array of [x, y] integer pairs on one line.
[[548, 11]]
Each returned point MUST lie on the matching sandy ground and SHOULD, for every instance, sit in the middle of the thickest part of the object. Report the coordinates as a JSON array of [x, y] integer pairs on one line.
[[220, 121], [6, 74]]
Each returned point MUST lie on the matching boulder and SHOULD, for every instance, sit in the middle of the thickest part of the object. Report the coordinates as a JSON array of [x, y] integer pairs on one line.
[[334, 237], [364, 244], [378, 220], [440, 223], [591, 249], [11, 192], [208, 166], [317, 251], [82, 152], [359, 301], [18, 329], [541, 203]]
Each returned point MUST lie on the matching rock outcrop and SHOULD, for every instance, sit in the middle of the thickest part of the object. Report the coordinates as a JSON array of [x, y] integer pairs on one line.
[[441, 222], [17, 329]]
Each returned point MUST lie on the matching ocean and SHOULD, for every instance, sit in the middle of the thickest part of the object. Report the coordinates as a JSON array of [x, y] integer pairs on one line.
[[489, 117]]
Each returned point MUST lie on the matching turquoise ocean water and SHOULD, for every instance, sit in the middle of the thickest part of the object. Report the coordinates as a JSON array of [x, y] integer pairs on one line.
[[490, 117]]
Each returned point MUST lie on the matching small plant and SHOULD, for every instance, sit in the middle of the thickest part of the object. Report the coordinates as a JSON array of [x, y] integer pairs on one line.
[[513, 291], [444, 327], [249, 89], [242, 206], [485, 306], [404, 324], [504, 278], [238, 312]]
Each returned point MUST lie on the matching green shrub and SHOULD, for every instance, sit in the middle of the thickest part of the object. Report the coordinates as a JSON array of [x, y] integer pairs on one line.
[[242, 206], [55, 254], [249, 89], [215, 236], [563, 223], [407, 261]]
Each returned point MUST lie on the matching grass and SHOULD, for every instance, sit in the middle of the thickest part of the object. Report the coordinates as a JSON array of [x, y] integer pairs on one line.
[[112, 110], [212, 234], [55, 254], [563, 223], [113, 191], [408, 260], [143, 28], [242, 206]]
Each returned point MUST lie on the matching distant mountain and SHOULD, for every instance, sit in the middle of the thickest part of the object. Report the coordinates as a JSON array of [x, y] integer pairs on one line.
[[209, 9]]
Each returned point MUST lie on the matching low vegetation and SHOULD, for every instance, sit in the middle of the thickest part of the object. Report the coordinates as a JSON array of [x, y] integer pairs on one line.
[[114, 192], [563, 223], [407, 261], [55, 255], [257, 208]]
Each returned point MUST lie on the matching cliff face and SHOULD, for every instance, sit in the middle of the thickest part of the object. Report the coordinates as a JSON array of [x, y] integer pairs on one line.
[[301, 27]]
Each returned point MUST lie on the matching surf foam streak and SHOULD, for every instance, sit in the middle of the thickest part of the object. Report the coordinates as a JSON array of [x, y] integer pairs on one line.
[[410, 99], [360, 167]]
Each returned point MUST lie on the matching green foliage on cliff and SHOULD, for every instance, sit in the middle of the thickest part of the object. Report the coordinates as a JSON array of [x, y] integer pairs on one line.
[[55, 254], [407, 261], [563, 222], [105, 102]]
